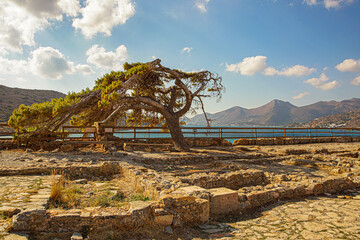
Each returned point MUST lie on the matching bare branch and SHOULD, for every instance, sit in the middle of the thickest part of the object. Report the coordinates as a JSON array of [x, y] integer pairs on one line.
[[203, 109]]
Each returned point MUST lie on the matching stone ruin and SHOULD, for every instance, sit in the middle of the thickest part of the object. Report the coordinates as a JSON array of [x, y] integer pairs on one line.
[[189, 189]]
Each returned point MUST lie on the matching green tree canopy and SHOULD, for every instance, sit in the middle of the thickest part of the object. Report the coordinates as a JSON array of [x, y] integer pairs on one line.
[[143, 94]]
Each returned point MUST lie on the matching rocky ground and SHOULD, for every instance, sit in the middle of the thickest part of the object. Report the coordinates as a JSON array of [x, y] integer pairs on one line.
[[320, 217], [25, 180]]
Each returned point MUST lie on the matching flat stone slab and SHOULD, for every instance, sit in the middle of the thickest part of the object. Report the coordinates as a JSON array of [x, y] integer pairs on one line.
[[223, 201]]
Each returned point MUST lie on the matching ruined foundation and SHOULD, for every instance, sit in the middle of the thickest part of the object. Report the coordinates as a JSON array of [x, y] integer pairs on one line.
[[188, 189]]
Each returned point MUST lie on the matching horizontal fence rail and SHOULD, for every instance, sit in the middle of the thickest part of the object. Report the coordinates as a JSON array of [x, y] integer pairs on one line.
[[72, 133]]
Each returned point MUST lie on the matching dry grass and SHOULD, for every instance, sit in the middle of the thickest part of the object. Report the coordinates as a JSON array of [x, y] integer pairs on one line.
[[67, 194], [64, 193]]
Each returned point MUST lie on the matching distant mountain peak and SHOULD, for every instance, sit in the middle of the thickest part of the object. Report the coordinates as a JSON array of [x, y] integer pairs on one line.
[[277, 113]]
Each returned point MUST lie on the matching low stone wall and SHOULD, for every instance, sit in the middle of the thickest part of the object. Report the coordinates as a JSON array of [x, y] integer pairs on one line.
[[172, 210], [193, 142], [233, 180], [289, 141], [90, 221], [185, 210], [74, 172], [224, 201], [251, 198]]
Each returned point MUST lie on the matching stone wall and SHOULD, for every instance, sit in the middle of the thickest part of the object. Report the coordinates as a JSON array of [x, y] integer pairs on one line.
[[224, 201], [89, 221], [233, 180], [74, 172]]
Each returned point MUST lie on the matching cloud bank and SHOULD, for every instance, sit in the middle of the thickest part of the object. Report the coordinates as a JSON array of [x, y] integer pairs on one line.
[[21, 19], [45, 62], [251, 65], [328, 4], [322, 83]]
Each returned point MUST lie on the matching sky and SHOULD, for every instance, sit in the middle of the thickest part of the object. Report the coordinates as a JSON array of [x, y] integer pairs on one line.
[[301, 51]]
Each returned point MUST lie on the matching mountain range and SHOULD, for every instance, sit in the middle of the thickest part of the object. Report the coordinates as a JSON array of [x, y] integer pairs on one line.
[[275, 113], [344, 120], [11, 98]]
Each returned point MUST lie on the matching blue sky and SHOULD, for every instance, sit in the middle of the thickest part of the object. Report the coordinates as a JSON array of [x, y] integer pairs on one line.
[[301, 51]]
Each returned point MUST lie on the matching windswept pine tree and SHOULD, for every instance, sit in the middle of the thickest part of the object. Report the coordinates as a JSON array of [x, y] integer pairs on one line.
[[145, 94]]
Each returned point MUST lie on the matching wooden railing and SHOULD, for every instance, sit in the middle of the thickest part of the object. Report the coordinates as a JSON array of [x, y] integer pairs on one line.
[[234, 132], [6, 132], [72, 133]]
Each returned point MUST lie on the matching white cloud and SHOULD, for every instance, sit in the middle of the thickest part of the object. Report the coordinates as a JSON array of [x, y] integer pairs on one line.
[[107, 60], [349, 65], [317, 81], [297, 70], [100, 16], [329, 85], [50, 63], [84, 69], [322, 83], [21, 19], [18, 27], [70, 7], [336, 3], [51, 9], [329, 3], [12, 67], [248, 66], [202, 5], [356, 81], [45, 62], [270, 71], [301, 95], [186, 49], [311, 2], [251, 65]]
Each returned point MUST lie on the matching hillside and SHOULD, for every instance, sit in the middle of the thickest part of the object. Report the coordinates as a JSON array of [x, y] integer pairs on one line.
[[11, 98], [346, 120], [276, 113]]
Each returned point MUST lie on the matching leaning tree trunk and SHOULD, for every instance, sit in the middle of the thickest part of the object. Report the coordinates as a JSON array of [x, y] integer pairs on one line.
[[176, 134]]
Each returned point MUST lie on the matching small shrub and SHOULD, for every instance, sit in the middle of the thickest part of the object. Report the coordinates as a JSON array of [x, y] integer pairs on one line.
[[102, 201], [139, 197], [72, 197], [57, 193], [119, 196]]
